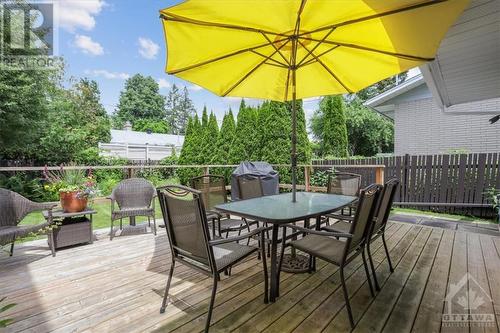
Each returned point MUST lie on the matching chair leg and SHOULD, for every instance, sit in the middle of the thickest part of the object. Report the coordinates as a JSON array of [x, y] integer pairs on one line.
[[211, 306], [282, 253], [165, 296], [51, 243], [264, 264], [154, 224], [346, 297], [387, 253], [111, 233], [377, 286], [367, 272], [121, 224], [149, 222], [12, 247]]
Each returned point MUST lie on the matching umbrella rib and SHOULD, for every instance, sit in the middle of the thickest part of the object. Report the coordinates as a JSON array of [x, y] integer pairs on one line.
[[293, 54], [370, 17], [316, 46], [365, 48], [308, 62], [327, 69], [232, 54], [178, 18], [274, 46], [251, 71], [277, 63]]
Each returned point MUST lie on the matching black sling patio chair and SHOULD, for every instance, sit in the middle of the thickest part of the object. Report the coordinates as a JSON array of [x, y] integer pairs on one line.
[[344, 183], [327, 245], [213, 192], [380, 221], [190, 243]]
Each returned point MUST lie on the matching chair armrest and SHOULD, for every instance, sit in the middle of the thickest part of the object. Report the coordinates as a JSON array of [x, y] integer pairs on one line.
[[238, 238], [44, 205], [320, 233]]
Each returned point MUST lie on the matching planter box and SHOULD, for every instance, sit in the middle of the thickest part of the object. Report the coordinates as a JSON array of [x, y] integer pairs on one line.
[[72, 232]]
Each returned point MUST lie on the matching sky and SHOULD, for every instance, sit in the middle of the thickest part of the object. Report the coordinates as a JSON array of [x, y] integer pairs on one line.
[[111, 40]]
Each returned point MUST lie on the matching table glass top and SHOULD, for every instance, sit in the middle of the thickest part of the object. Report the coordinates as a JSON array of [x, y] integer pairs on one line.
[[280, 208]]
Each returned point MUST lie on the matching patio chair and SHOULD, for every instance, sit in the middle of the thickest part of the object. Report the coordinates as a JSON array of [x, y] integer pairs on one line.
[[190, 244], [213, 192], [250, 186], [379, 223], [344, 183], [13, 208], [328, 246], [135, 197]]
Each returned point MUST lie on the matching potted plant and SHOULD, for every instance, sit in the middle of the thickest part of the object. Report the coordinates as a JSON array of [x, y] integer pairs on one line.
[[74, 187]]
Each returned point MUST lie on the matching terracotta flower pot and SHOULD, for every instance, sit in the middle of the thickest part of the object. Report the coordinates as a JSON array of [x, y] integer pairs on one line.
[[71, 203]]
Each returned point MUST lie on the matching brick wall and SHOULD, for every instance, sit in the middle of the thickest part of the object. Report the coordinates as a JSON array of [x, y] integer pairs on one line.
[[422, 128]]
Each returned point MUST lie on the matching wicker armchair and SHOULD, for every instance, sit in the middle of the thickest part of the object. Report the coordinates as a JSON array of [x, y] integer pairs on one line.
[[13, 208], [190, 243], [135, 197], [328, 246], [213, 192]]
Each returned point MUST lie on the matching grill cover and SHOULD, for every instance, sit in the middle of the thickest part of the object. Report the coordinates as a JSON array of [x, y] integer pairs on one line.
[[270, 177]]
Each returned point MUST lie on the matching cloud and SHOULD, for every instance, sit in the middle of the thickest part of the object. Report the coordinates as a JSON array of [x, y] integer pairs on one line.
[[194, 87], [88, 46], [163, 84], [147, 48], [107, 74], [79, 14]]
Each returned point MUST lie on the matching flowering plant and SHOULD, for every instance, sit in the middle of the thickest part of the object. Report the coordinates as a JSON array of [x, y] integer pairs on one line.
[[71, 180]]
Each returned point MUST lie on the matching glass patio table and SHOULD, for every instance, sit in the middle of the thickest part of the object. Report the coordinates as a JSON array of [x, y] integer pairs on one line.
[[279, 210]]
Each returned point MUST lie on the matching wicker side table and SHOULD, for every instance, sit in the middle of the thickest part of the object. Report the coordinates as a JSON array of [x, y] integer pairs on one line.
[[74, 228]]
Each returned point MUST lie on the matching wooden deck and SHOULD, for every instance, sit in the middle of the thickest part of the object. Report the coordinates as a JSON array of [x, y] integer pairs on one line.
[[117, 286]]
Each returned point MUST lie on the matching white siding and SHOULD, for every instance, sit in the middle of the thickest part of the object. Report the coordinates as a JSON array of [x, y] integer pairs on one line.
[[422, 128]]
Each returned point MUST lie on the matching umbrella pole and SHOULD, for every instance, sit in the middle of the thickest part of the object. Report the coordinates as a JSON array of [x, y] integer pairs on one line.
[[294, 137]]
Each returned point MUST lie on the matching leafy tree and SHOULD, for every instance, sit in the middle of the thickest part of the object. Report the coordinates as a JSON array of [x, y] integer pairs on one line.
[[140, 99], [191, 151], [225, 141], [329, 126], [369, 132], [179, 107], [246, 141], [204, 118], [24, 98], [304, 150], [210, 135], [76, 121], [275, 128], [381, 86], [155, 126], [275, 144]]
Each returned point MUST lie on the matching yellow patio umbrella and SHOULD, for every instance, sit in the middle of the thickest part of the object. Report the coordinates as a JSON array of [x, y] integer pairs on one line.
[[292, 49]]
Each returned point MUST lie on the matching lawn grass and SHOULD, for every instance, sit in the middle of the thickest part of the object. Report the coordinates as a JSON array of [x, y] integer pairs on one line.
[[101, 219], [457, 217]]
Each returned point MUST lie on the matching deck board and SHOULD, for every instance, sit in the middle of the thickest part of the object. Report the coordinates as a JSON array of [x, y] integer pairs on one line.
[[117, 286]]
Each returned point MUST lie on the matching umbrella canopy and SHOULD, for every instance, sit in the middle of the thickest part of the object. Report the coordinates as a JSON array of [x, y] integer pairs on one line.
[[284, 50]]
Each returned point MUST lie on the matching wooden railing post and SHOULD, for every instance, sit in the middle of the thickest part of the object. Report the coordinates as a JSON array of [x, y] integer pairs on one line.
[[379, 175], [307, 177], [206, 170]]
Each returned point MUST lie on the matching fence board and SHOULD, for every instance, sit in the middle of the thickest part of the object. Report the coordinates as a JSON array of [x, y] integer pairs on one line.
[[448, 183]]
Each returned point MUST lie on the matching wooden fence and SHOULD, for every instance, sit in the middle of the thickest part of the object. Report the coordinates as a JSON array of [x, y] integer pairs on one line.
[[453, 183]]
